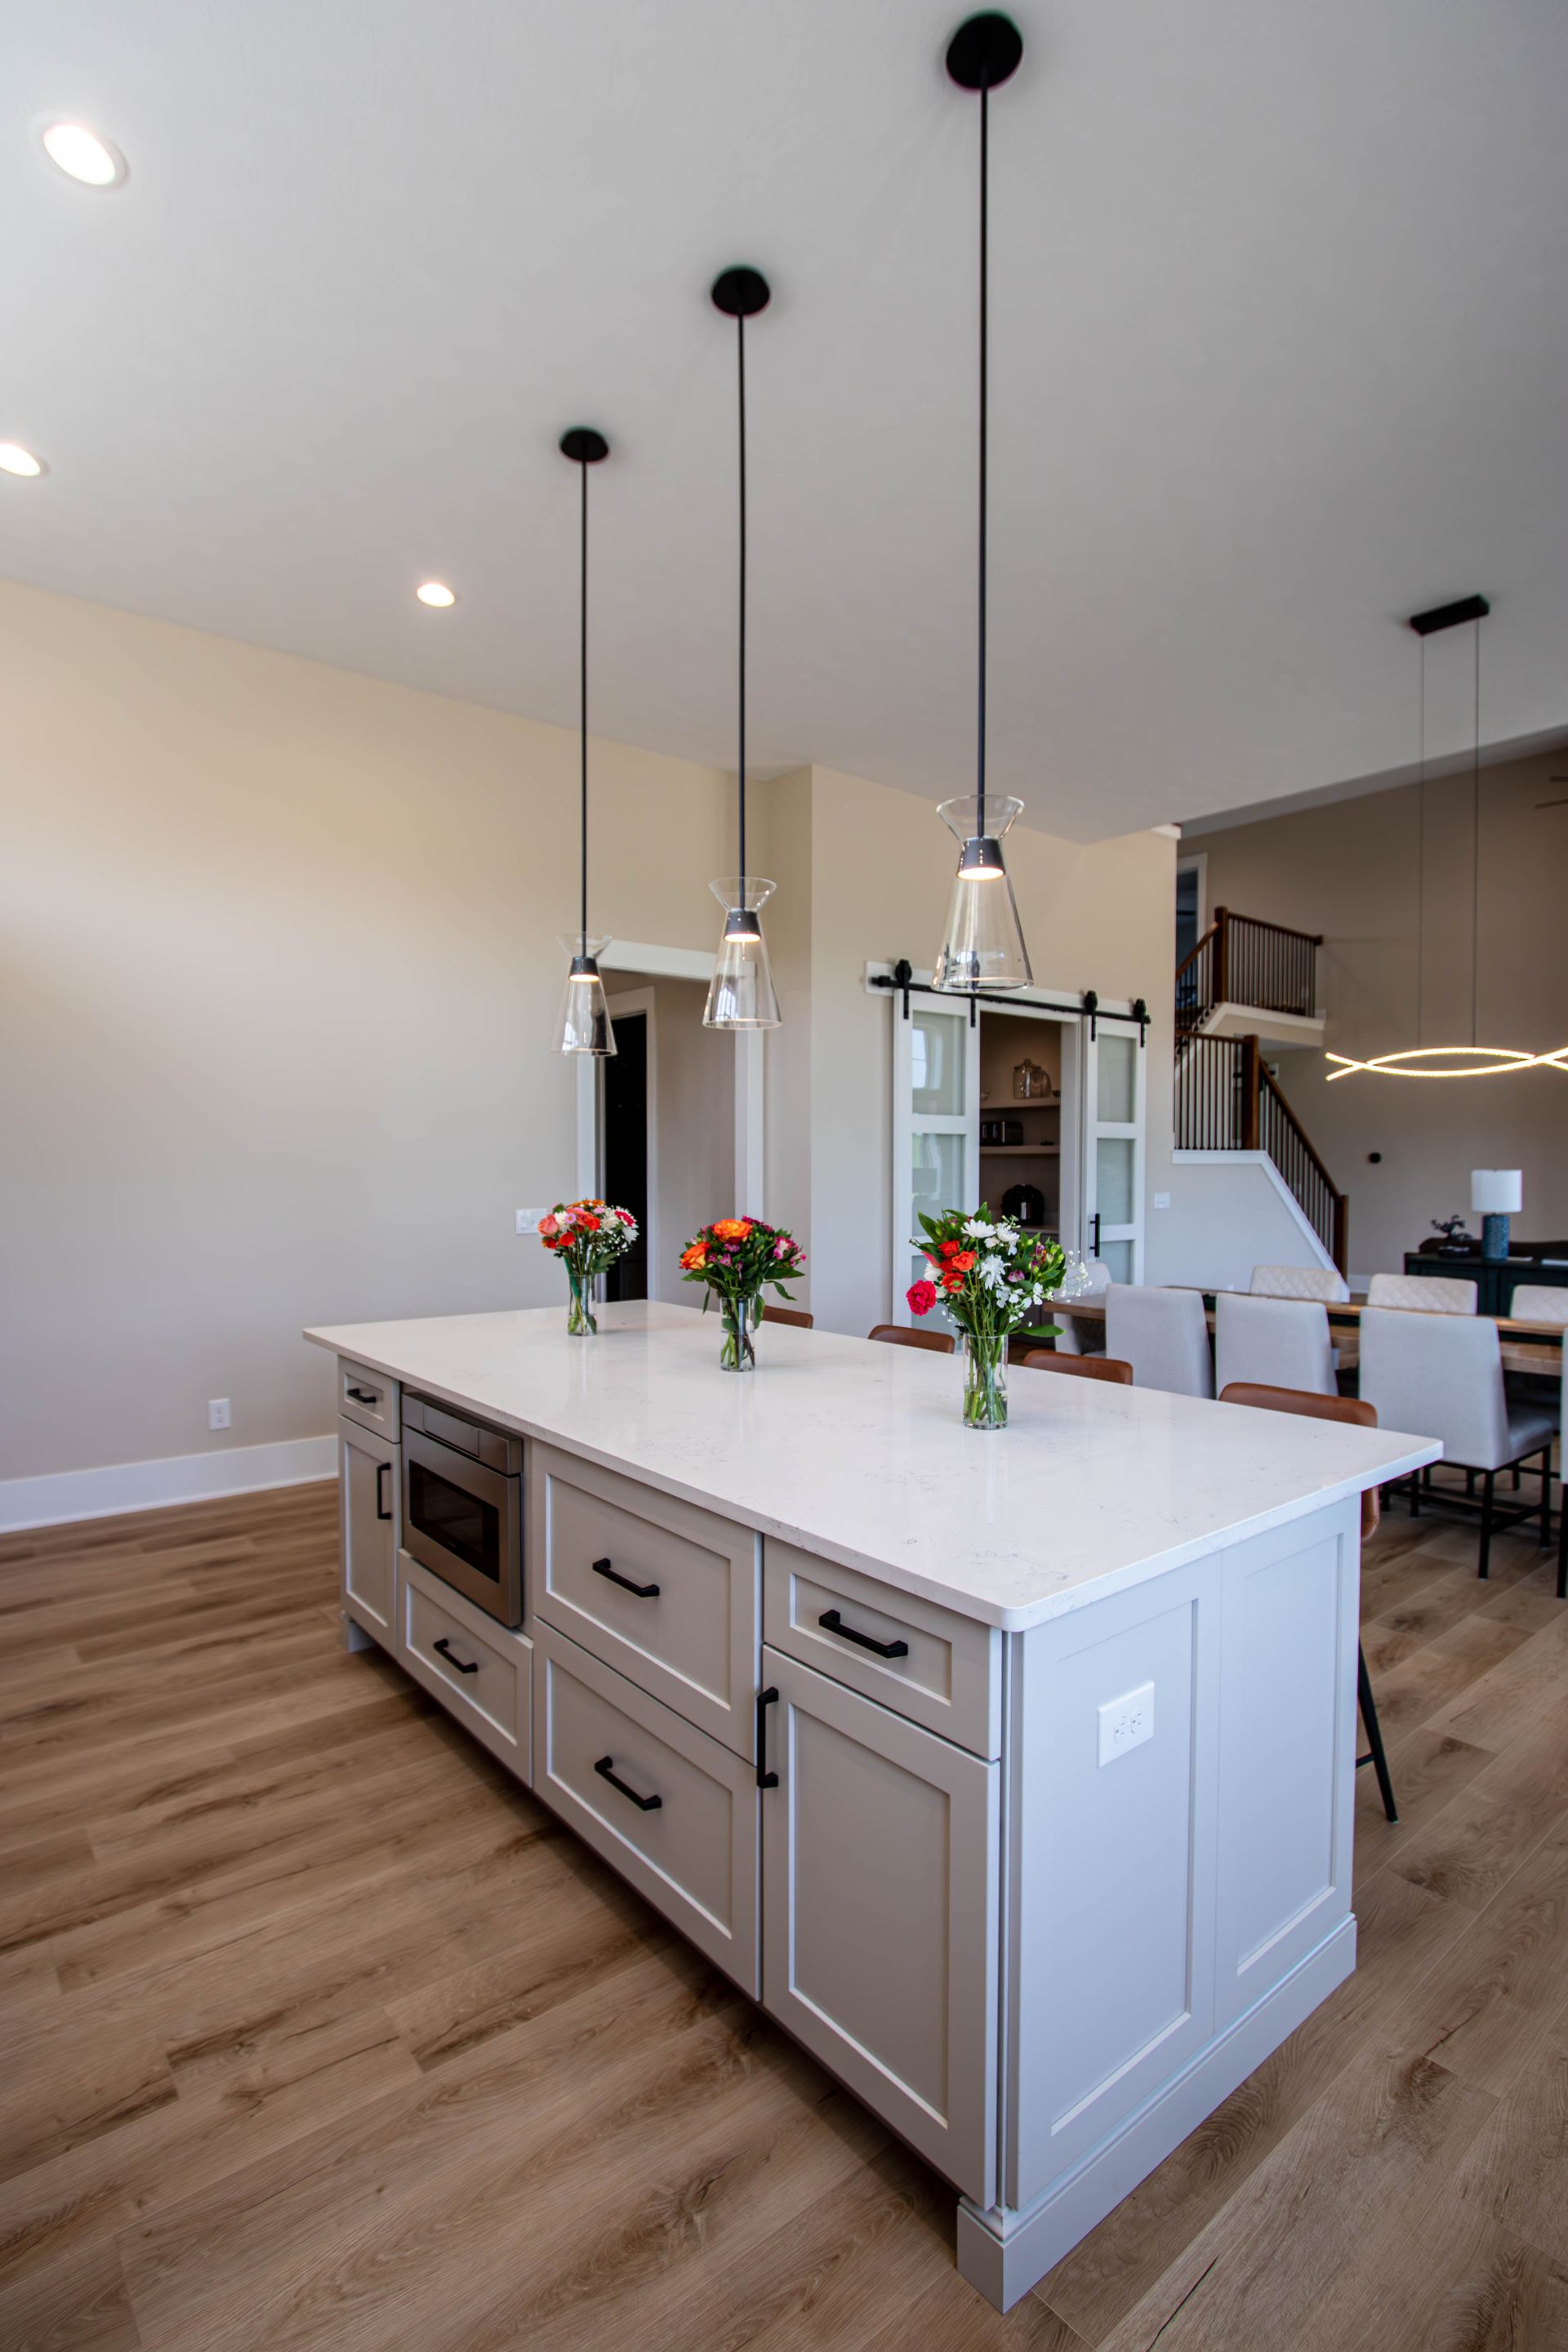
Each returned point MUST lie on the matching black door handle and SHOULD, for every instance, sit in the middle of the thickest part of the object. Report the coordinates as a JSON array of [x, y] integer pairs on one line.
[[1094, 1235], [381, 1510], [643, 1591], [445, 1652], [835, 1624], [365, 1396], [643, 1804], [766, 1780]]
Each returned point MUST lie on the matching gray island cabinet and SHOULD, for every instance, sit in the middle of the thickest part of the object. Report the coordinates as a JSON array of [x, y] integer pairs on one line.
[[1012, 1773]]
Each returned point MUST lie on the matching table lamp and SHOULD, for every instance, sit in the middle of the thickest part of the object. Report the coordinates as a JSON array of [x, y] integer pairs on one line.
[[1498, 1194]]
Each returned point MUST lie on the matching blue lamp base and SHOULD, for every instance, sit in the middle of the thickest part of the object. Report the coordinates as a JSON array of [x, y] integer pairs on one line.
[[1494, 1235]]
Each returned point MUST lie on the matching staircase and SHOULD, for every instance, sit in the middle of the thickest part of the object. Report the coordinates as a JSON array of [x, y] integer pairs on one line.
[[1261, 980], [1228, 1100]]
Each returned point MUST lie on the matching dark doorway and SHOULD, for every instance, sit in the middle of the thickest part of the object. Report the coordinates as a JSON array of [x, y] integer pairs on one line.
[[1186, 912], [626, 1148]]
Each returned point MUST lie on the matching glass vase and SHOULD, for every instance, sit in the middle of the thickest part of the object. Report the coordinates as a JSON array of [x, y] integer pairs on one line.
[[580, 1319], [986, 1379], [737, 1354]]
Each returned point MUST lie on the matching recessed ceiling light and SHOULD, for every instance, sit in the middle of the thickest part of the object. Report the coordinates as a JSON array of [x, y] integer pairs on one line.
[[435, 591], [84, 155], [15, 459]]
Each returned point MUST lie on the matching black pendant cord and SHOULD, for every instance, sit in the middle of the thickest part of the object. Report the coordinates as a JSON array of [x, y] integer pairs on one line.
[[583, 719], [1475, 847], [741, 385], [984, 435], [1421, 868]]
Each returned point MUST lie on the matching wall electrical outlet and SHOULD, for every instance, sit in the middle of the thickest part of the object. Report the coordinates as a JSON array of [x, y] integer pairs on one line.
[[1161, 1199], [1126, 1723], [527, 1220], [217, 1413]]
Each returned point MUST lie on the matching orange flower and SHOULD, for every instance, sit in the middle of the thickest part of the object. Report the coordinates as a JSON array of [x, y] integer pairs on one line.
[[953, 1282], [963, 1261], [732, 1229], [693, 1255]]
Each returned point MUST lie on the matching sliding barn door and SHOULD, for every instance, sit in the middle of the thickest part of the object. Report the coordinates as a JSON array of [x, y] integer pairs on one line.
[[936, 1126], [1114, 1071]]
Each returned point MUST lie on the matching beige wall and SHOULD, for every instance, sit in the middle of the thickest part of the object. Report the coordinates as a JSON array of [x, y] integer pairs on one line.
[[1350, 871], [277, 960], [1099, 916]]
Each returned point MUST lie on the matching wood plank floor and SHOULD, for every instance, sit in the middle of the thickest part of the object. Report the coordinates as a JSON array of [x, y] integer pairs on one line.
[[316, 2031]]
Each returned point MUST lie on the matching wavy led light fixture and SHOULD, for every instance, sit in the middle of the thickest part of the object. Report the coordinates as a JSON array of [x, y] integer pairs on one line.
[[1474, 1062]]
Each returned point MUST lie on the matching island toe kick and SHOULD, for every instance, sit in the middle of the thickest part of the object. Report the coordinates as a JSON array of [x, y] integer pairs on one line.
[[1039, 1899]]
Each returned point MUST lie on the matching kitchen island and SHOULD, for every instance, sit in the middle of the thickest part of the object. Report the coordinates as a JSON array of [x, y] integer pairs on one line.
[[1012, 1773]]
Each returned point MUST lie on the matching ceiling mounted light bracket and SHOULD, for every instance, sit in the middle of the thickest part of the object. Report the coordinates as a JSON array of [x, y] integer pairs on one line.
[[584, 1026], [741, 994], [983, 945]]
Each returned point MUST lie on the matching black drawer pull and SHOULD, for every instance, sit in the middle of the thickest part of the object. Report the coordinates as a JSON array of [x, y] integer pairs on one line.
[[643, 1804], [835, 1624], [365, 1396], [381, 1510], [445, 1650], [766, 1780], [643, 1591]]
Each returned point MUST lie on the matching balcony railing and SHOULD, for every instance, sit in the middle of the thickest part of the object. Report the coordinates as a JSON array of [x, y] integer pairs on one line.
[[1227, 1100], [1240, 961]]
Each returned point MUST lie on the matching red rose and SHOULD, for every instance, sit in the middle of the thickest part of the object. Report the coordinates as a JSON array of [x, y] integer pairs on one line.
[[948, 1248], [921, 1297], [953, 1282], [963, 1261]]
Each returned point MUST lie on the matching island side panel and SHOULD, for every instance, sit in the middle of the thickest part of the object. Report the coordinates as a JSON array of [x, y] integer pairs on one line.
[[1182, 1768]]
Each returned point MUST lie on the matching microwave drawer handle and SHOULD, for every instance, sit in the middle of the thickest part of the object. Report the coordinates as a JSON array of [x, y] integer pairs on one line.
[[644, 1805], [835, 1624], [365, 1396], [444, 1649], [643, 1591]]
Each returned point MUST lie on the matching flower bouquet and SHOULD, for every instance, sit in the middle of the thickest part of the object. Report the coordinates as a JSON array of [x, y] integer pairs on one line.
[[736, 1259], [587, 1236], [991, 1278]]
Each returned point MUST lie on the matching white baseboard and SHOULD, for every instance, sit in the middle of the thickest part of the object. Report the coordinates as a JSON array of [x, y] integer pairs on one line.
[[150, 1486]]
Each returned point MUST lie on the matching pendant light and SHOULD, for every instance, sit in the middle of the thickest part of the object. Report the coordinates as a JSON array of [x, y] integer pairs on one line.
[[1474, 1060], [584, 1025], [982, 946], [741, 994]]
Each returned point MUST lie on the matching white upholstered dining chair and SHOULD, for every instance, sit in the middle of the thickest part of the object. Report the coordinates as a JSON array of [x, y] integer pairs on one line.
[[1280, 1343], [1164, 1335], [1444, 1379], [1423, 1294], [1069, 1338], [1300, 1282]]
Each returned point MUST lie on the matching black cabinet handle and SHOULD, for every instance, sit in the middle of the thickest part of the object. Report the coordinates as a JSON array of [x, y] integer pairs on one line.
[[381, 1510], [766, 1780], [365, 1396], [445, 1650], [835, 1624], [643, 1804], [643, 1591]]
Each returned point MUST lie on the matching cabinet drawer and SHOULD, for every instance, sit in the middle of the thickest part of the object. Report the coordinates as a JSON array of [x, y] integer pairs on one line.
[[692, 1852], [947, 1676], [479, 1670], [369, 1398], [663, 1591]]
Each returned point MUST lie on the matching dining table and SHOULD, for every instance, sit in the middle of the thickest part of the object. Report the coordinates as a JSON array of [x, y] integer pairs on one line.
[[1527, 1343]]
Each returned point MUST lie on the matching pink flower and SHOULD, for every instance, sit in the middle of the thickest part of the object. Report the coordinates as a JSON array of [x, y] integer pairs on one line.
[[625, 1216], [921, 1297], [782, 1249], [548, 1225]]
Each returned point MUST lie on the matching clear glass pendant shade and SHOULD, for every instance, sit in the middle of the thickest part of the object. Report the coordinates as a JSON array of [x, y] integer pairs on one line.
[[741, 994], [983, 945], [584, 1026]]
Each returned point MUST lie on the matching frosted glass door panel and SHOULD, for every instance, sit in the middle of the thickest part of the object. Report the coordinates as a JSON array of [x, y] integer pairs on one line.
[[1113, 1157], [937, 1054], [1118, 1256], [936, 1175], [1118, 1087]]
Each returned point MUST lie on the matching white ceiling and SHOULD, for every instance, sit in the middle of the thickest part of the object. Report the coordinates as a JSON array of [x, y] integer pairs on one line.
[[1280, 353]]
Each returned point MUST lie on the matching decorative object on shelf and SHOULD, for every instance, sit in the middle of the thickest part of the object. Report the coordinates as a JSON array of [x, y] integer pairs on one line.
[[1031, 1082], [982, 946], [587, 1236], [1011, 1132], [1474, 1060], [741, 994], [584, 1026], [990, 1278], [736, 1260], [1456, 1242], [1496, 1195]]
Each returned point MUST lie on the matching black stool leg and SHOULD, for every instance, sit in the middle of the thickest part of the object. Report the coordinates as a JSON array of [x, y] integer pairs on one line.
[[1374, 1755], [1488, 1481]]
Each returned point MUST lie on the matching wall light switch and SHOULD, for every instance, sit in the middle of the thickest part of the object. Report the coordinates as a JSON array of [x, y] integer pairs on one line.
[[1126, 1723], [527, 1220], [1161, 1199], [217, 1413]]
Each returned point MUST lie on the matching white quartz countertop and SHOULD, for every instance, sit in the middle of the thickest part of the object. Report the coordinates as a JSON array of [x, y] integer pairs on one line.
[[857, 1450]]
